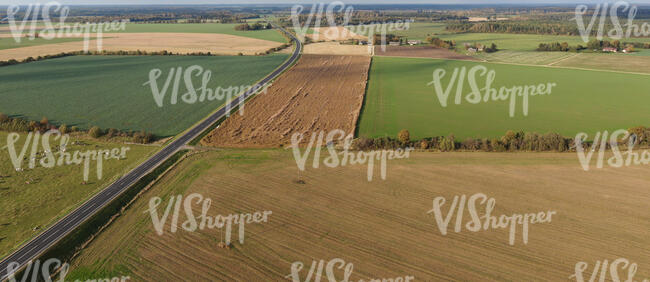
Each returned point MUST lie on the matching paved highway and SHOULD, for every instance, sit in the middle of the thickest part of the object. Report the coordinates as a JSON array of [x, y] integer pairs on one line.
[[59, 230]]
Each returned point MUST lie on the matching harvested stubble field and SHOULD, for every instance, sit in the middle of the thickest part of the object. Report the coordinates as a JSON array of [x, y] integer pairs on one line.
[[336, 48], [420, 52], [333, 33], [223, 44], [382, 227], [321, 92]]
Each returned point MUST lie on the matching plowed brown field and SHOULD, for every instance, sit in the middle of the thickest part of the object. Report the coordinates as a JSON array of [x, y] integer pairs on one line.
[[421, 52], [321, 92]]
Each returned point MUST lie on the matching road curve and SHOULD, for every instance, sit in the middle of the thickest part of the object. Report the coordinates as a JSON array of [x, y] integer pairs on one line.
[[60, 229]]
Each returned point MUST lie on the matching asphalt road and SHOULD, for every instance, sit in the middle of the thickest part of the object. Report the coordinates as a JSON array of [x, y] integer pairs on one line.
[[59, 230]]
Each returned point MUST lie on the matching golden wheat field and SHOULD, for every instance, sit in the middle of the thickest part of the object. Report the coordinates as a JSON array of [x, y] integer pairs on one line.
[[182, 43]]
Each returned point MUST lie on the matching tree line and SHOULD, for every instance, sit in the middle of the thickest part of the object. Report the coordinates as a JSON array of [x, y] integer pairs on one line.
[[255, 26], [511, 141], [593, 45], [22, 125]]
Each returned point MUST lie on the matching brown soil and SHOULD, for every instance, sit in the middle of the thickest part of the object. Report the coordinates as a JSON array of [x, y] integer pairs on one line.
[[321, 92], [421, 52]]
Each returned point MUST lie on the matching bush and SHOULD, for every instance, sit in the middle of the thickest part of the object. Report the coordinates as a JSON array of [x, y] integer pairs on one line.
[[447, 143], [424, 144], [642, 134], [471, 144], [112, 132], [404, 136], [362, 143], [63, 129], [3, 118], [34, 126], [95, 132], [497, 146], [44, 121], [142, 137], [74, 129]]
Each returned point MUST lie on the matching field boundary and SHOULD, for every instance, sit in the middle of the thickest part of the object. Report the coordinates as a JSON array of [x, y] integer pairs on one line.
[[528, 65]]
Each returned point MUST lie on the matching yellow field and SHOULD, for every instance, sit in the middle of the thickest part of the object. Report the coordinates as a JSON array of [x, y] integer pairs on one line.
[[335, 48], [183, 43], [383, 227]]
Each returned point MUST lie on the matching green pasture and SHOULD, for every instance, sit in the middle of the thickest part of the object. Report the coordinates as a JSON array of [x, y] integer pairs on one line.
[[398, 97], [10, 42], [108, 91], [269, 34], [33, 199]]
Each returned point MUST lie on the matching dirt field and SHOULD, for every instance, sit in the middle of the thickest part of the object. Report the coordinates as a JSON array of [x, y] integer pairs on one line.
[[321, 92], [174, 42], [334, 33], [420, 52], [383, 227], [335, 48]]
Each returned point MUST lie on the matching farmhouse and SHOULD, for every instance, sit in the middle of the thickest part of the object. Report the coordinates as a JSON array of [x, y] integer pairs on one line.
[[394, 43], [610, 49], [414, 42]]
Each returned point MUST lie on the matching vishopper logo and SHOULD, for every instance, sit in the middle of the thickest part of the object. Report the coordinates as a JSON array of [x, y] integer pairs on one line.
[[316, 272], [487, 220], [203, 221], [601, 12], [48, 269], [343, 157], [47, 158], [599, 272], [193, 94], [337, 7], [35, 12], [486, 93], [618, 159]]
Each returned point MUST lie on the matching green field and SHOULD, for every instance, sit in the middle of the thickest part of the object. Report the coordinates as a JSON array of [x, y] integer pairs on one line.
[[583, 101], [524, 57], [9, 42], [35, 198], [108, 91], [418, 31], [272, 34]]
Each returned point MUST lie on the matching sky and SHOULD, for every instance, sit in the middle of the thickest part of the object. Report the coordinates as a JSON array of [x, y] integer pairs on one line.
[[181, 2]]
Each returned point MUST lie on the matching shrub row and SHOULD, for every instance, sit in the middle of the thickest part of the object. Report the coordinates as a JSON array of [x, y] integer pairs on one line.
[[21, 125], [510, 142]]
